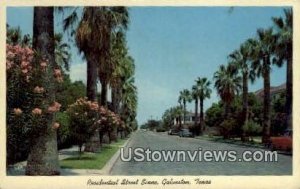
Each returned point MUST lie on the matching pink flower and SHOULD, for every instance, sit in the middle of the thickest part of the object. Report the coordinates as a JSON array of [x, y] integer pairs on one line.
[[43, 65], [55, 125], [9, 64], [94, 106], [10, 54], [57, 72], [55, 107], [38, 89], [37, 111], [24, 64], [24, 71], [59, 79], [18, 111]]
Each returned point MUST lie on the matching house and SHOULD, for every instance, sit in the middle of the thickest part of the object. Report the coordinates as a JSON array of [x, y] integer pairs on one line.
[[273, 91], [189, 119]]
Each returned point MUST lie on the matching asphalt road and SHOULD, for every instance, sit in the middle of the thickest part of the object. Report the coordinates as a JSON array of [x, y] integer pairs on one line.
[[162, 141]]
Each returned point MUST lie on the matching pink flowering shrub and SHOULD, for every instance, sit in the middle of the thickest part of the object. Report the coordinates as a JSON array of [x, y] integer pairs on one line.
[[29, 81], [82, 115], [86, 117]]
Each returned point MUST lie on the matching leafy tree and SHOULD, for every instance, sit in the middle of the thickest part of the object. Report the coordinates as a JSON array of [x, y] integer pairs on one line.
[[83, 117], [214, 115], [170, 115], [251, 128], [15, 37]]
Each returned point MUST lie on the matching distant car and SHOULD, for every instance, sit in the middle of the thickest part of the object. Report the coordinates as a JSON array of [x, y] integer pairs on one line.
[[185, 133], [282, 143], [173, 132]]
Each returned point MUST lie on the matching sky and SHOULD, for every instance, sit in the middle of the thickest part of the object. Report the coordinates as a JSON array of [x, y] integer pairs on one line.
[[172, 46]]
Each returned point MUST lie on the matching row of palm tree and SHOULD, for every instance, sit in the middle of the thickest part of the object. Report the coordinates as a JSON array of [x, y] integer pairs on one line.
[[199, 92], [253, 60], [100, 38]]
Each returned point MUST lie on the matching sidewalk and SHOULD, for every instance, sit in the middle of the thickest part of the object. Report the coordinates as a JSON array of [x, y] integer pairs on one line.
[[19, 168]]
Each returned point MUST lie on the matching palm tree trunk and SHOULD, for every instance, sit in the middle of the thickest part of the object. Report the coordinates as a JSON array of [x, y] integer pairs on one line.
[[196, 114], [91, 79], [92, 145], [184, 112], [289, 93], [245, 103], [43, 155], [201, 115], [116, 98], [267, 102], [103, 98], [226, 110]]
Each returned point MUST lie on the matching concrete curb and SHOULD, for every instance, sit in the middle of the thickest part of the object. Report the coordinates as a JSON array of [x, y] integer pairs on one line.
[[106, 170]]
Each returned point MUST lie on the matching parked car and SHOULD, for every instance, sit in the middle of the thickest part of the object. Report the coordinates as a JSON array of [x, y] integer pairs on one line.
[[173, 132], [185, 133], [282, 143]]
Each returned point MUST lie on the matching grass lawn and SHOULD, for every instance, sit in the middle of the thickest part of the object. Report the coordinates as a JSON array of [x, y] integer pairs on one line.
[[255, 143], [93, 160]]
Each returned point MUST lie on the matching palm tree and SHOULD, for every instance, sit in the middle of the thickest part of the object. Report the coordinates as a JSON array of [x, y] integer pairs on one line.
[[86, 46], [14, 37], [240, 59], [124, 69], [263, 51], [184, 97], [62, 54], [204, 92], [284, 52], [129, 101], [43, 156], [228, 84], [110, 20]]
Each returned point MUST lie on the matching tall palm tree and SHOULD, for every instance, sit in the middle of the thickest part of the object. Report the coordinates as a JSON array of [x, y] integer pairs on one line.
[[284, 52], [123, 71], [263, 51], [228, 84], [110, 20], [43, 156], [129, 101], [88, 46], [184, 97], [204, 92], [240, 59]]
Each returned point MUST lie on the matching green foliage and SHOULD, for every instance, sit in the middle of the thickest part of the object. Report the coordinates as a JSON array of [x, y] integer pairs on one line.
[[68, 92], [252, 128], [64, 133], [227, 127], [169, 116], [160, 129], [83, 116], [151, 124], [214, 115]]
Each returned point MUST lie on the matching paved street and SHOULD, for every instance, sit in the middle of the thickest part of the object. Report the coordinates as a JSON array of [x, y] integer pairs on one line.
[[161, 141]]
